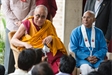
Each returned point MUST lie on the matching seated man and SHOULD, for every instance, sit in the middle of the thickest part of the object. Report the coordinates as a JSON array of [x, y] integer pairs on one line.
[[66, 65], [88, 44], [26, 60], [36, 31]]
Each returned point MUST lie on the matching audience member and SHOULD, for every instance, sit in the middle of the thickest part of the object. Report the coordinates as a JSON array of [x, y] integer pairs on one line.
[[26, 60], [103, 14], [2, 70], [39, 55], [66, 65], [51, 6], [15, 11], [88, 44], [35, 32], [105, 68], [42, 69]]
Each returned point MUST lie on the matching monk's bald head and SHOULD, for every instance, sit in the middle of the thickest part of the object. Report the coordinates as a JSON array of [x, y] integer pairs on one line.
[[41, 8]]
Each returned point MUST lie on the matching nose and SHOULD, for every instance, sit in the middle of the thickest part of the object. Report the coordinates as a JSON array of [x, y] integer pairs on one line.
[[40, 18]]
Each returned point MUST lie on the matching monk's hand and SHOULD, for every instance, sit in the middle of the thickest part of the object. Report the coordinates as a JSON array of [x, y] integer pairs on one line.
[[27, 45], [47, 40]]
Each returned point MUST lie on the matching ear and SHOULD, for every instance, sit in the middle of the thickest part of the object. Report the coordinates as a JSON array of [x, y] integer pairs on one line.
[[94, 19], [81, 18]]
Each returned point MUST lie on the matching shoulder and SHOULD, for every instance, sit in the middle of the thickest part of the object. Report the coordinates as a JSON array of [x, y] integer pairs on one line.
[[76, 32], [26, 23], [48, 21], [98, 30], [77, 29]]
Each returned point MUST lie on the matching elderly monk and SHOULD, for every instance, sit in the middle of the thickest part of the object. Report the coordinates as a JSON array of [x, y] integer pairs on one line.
[[36, 31]]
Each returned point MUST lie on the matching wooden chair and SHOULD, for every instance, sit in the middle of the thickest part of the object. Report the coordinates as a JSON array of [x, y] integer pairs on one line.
[[109, 55], [14, 49]]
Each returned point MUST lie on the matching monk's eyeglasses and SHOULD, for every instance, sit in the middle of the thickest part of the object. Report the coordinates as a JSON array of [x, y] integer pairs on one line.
[[39, 16]]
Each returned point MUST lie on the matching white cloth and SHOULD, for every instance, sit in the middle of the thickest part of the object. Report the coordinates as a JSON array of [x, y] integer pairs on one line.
[[29, 72], [19, 72], [85, 69], [61, 73], [45, 50], [86, 40], [97, 6]]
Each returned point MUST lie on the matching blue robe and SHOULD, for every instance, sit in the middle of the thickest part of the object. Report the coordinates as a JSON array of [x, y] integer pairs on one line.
[[77, 46]]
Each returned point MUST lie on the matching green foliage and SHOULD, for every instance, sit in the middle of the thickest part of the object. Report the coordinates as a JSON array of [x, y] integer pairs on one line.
[[4, 23], [2, 36]]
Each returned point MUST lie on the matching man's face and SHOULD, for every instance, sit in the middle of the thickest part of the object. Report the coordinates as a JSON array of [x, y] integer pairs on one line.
[[88, 19], [40, 16]]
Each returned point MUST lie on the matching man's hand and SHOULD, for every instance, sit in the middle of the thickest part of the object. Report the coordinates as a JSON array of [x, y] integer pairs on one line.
[[18, 23], [92, 59], [47, 40], [27, 45]]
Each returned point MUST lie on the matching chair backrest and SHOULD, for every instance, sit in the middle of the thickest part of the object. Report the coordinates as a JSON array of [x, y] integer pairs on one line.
[[14, 48], [70, 51], [10, 35]]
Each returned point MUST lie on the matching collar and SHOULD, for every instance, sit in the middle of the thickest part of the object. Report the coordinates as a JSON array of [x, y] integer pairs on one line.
[[61, 73]]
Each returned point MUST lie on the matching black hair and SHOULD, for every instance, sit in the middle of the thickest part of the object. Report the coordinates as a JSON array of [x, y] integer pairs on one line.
[[39, 55], [67, 64], [2, 70], [26, 59], [42, 68], [105, 67]]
